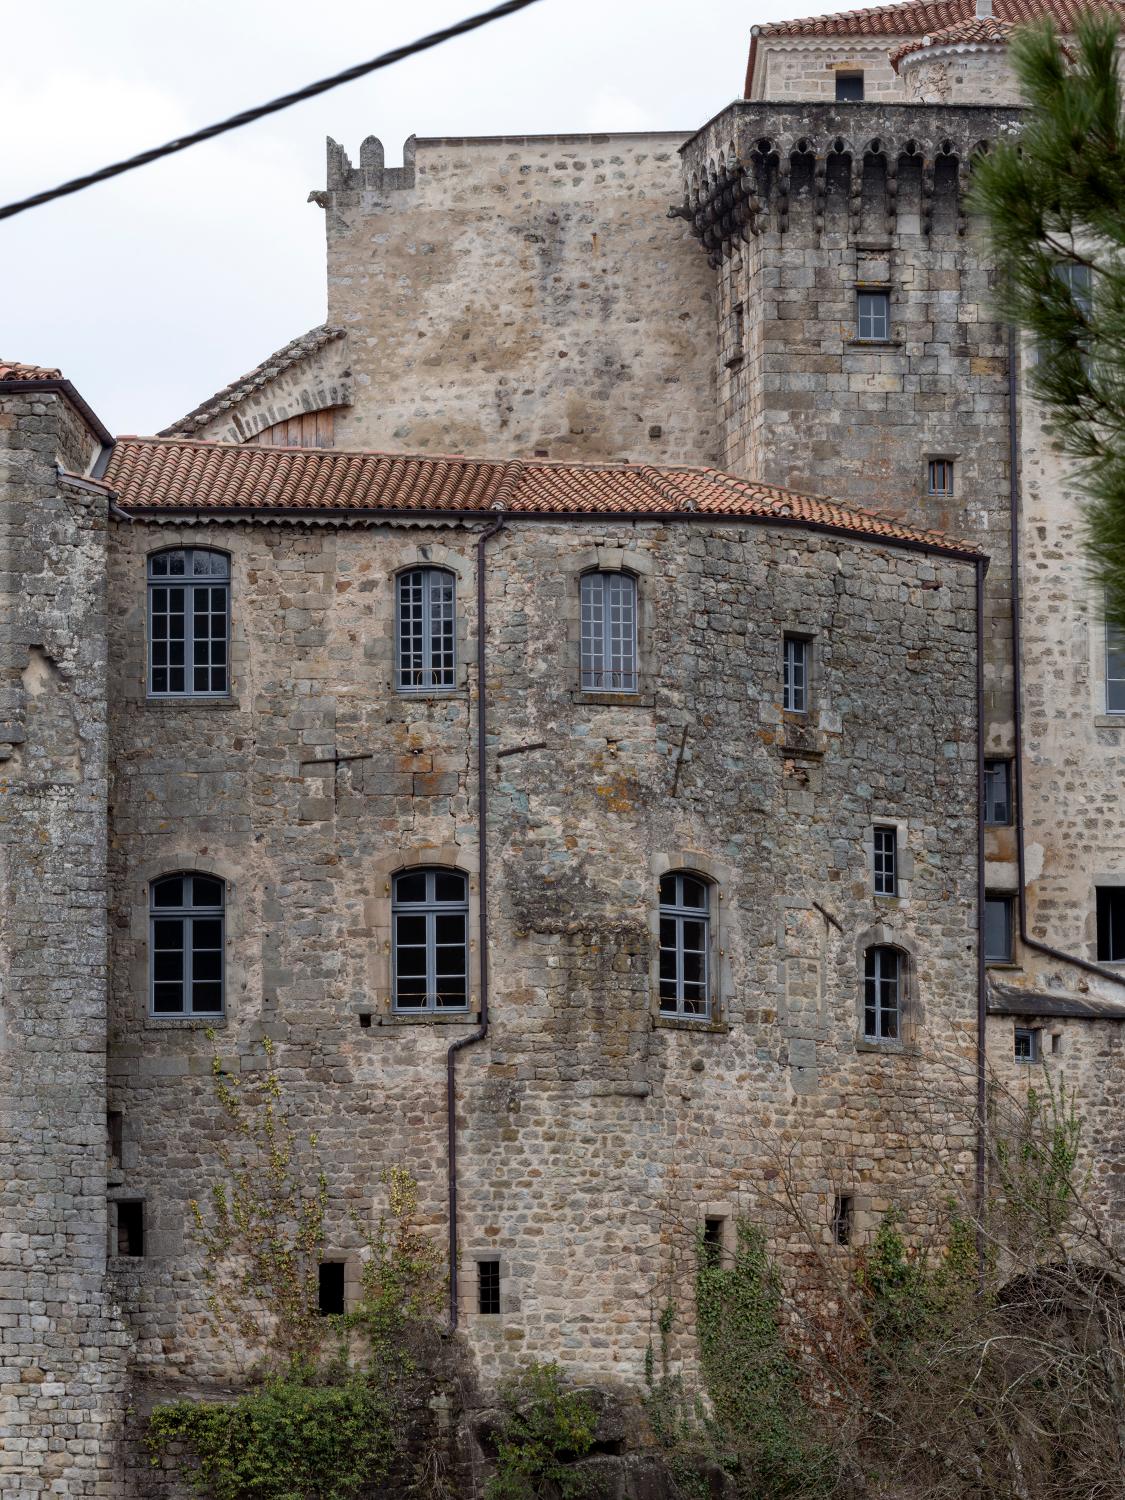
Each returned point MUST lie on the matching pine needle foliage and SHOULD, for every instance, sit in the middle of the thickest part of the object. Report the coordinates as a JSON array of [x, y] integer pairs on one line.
[[1054, 202]]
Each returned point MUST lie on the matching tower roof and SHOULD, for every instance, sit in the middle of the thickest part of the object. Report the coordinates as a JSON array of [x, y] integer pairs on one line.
[[981, 31]]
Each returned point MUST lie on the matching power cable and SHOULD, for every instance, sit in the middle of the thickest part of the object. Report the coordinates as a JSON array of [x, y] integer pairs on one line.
[[248, 116]]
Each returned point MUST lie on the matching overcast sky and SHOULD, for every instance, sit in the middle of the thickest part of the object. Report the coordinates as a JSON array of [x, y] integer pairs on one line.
[[152, 291]]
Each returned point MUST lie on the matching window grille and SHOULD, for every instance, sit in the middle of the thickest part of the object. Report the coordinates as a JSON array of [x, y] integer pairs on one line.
[[685, 924], [609, 632], [426, 630], [795, 674], [488, 1286], [940, 476], [430, 917], [886, 860], [188, 623], [998, 929], [1114, 668], [849, 88], [997, 793], [882, 1000], [186, 945], [1111, 923], [1026, 1044], [873, 316]]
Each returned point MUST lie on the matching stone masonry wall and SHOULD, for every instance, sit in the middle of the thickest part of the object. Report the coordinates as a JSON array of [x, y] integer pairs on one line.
[[805, 68], [594, 1137], [522, 295], [61, 1346]]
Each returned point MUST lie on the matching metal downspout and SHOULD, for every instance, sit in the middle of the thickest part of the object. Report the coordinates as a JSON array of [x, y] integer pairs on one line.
[[982, 982], [1017, 682], [482, 834]]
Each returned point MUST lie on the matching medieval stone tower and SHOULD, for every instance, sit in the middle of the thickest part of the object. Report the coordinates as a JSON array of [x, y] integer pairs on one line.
[[590, 825]]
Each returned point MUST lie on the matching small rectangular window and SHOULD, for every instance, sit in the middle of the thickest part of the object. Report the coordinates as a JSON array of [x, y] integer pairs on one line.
[[873, 316], [940, 476], [711, 1246], [997, 793], [130, 1227], [1027, 1044], [488, 1286], [849, 88], [998, 929], [330, 1290], [886, 860], [842, 1221], [1056, 1044], [1111, 924], [1114, 669], [795, 684]]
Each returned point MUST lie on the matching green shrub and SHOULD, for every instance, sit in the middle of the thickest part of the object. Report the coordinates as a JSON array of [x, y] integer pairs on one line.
[[544, 1428]]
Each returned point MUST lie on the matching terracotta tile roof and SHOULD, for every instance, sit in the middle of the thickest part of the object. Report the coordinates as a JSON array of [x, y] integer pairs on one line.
[[928, 16], [981, 30], [11, 369], [170, 475], [238, 390]]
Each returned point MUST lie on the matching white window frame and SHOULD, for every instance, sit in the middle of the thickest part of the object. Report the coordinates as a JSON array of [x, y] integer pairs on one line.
[[796, 673], [608, 605], [193, 584], [869, 319], [1114, 686]]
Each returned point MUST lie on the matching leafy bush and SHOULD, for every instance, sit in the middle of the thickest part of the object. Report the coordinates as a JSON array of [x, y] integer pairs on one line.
[[543, 1430]]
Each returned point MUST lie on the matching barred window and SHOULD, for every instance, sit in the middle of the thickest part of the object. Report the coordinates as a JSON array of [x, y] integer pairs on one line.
[[685, 929], [188, 623], [882, 999], [886, 860], [873, 316], [609, 632], [940, 476], [430, 917], [795, 674], [186, 945], [426, 630]]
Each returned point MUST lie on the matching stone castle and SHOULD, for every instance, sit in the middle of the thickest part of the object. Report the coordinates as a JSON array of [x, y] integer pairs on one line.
[[712, 780]]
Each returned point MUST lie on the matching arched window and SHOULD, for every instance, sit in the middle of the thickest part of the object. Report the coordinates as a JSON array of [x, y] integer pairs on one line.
[[883, 980], [425, 630], [188, 623], [685, 932], [609, 632], [186, 945], [430, 944]]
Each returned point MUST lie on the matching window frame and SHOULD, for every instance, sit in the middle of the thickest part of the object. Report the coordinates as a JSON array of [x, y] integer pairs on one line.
[[602, 638], [990, 767], [1104, 897], [192, 584], [1034, 1052], [1005, 900], [884, 862], [187, 913], [1114, 645], [790, 690], [678, 912], [430, 908], [429, 574], [872, 338], [943, 470], [850, 75], [873, 978]]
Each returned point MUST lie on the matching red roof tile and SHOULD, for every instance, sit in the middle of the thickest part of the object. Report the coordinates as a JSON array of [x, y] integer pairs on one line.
[[981, 31], [184, 475], [11, 369]]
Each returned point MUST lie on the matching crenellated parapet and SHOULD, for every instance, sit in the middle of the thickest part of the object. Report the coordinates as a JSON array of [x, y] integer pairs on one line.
[[758, 166]]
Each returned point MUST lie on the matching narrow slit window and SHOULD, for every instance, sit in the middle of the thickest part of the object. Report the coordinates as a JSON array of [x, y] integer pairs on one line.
[[882, 999], [115, 1133], [940, 476], [488, 1286], [998, 929], [997, 793], [188, 623], [842, 1221], [711, 1245], [886, 860], [685, 933], [796, 655], [186, 945], [873, 316], [849, 87], [430, 917], [130, 1227], [426, 630], [1026, 1044], [1111, 923], [609, 632], [330, 1288]]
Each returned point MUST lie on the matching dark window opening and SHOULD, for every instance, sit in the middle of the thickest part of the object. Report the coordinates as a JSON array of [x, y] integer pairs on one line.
[[131, 1227], [365, 1019], [997, 793], [1027, 1044], [488, 1286], [685, 941], [711, 1248], [849, 88], [886, 860], [330, 1288], [115, 1132], [940, 478], [998, 929], [430, 944], [1111, 923], [842, 1221], [873, 316]]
